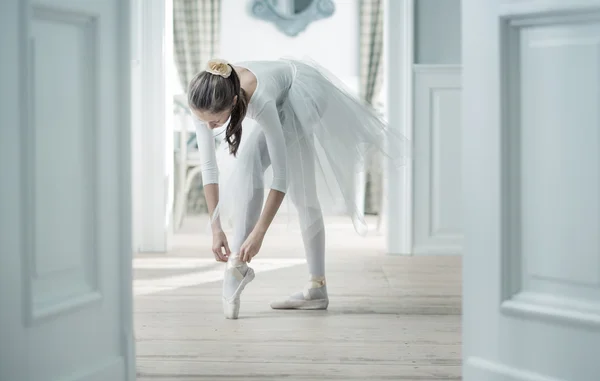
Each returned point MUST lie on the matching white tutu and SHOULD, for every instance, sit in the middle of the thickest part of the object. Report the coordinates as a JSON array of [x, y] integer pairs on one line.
[[329, 134]]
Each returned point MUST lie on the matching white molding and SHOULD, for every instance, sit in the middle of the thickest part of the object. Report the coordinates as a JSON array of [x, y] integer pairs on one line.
[[438, 250], [126, 210], [151, 175], [40, 314], [554, 309], [430, 198], [169, 177], [79, 284], [136, 125], [519, 7], [428, 68], [477, 368], [110, 370], [399, 198], [519, 297]]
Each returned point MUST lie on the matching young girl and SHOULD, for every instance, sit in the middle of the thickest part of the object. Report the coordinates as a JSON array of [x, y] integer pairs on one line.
[[306, 126]]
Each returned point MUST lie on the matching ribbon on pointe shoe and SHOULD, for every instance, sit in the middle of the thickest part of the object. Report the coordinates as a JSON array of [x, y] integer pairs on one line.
[[233, 266], [313, 282]]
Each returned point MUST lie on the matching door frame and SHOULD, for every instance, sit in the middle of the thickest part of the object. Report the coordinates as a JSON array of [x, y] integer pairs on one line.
[[152, 125], [399, 54], [125, 212]]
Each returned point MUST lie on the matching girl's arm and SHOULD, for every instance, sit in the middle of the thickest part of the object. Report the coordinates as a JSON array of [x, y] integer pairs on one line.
[[269, 121], [220, 246], [208, 166], [210, 179], [272, 205], [211, 193]]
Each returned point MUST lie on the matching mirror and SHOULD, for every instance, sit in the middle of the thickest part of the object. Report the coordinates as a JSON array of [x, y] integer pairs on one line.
[[289, 9], [291, 16]]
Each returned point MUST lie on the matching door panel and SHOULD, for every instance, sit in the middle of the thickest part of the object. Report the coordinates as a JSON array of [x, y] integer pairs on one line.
[[531, 83], [67, 278], [437, 172]]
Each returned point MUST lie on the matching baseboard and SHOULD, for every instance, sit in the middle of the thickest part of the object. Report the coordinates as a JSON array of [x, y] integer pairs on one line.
[[437, 250], [478, 369], [113, 370]]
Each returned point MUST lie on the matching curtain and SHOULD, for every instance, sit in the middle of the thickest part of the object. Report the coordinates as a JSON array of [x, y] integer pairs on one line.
[[371, 48], [196, 33], [371, 76], [196, 39]]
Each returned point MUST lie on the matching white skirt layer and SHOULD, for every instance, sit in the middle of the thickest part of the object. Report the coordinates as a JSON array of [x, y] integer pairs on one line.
[[329, 134]]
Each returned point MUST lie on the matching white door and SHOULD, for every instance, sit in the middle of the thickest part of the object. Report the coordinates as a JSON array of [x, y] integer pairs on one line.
[[65, 253], [437, 172], [531, 139]]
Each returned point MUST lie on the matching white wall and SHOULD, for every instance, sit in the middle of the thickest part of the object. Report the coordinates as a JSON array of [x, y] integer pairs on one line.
[[437, 134], [437, 32], [332, 42], [437, 167]]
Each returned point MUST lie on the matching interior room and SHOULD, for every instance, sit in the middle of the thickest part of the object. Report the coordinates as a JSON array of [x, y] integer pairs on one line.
[[160, 219], [411, 253]]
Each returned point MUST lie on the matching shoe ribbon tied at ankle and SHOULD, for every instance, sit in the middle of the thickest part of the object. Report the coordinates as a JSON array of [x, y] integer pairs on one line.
[[234, 268], [313, 282]]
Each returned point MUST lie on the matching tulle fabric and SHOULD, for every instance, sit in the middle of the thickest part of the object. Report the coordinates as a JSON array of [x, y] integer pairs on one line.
[[329, 135]]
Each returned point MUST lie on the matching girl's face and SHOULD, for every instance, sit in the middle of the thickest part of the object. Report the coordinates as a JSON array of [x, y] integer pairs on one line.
[[213, 120]]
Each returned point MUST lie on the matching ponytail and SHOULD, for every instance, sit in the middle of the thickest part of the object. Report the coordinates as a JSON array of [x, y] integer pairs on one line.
[[233, 133]]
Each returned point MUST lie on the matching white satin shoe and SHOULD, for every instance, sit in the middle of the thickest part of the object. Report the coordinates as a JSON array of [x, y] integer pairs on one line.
[[237, 276], [313, 297]]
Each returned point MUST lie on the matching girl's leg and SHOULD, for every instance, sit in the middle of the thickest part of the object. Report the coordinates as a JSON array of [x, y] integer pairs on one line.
[[304, 196], [246, 218], [303, 193], [249, 169]]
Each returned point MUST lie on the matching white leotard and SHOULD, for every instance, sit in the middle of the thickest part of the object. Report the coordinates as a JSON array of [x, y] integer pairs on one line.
[[274, 79]]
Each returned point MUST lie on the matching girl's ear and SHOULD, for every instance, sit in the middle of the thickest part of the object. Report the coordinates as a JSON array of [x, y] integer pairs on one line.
[[235, 98]]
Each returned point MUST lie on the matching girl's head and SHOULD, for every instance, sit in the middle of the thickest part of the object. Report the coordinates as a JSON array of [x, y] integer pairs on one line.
[[215, 96]]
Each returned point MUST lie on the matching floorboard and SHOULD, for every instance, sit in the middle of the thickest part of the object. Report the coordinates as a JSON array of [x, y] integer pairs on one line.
[[390, 317]]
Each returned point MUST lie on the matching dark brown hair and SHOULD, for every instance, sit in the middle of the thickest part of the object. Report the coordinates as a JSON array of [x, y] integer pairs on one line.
[[215, 94]]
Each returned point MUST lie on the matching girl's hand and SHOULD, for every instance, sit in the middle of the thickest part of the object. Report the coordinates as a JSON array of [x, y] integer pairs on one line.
[[220, 247], [251, 246]]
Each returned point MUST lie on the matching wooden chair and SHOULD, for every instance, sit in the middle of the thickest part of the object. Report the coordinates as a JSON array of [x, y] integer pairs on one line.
[[187, 159]]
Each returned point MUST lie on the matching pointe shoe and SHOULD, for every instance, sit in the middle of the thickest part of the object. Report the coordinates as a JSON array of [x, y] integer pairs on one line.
[[235, 269], [313, 297]]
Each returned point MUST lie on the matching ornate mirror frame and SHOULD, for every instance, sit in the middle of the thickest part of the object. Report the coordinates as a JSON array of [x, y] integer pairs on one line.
[[292, 26]]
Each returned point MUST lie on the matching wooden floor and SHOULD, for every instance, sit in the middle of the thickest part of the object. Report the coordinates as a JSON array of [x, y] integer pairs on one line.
[[390, 318]]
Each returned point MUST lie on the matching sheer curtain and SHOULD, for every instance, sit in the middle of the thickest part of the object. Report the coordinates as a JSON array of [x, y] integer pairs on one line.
[[196, 39], [371, 76], [196, 33]]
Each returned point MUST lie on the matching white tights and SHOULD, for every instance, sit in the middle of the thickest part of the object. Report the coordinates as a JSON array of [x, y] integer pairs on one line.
[[302, 191]]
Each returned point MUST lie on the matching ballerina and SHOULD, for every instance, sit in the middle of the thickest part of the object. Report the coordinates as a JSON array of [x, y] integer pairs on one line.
[[307, 125]]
